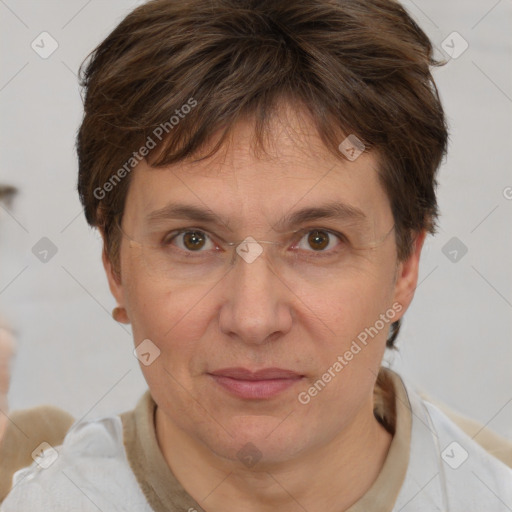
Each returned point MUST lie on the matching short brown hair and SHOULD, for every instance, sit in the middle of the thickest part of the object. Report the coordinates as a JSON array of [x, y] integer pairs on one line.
[[357, 66]]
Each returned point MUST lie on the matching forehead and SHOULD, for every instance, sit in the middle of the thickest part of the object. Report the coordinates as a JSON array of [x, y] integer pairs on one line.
[[295, 171]]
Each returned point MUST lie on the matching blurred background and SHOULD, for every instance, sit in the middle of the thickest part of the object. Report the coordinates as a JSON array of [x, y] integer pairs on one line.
[[456, 342]]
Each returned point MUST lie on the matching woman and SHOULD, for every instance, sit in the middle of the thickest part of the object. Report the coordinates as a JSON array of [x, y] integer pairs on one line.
[[263, 176]]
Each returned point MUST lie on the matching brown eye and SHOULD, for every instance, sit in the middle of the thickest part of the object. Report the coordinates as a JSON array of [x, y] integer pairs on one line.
[[321, 241], [318, 240], [194, 240]]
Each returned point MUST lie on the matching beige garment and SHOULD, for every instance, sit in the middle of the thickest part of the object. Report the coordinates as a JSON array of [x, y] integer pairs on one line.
[[7, 347]]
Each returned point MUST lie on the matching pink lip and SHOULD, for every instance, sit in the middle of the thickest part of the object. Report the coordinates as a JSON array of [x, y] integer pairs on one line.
[[265, 374], [258, 385]]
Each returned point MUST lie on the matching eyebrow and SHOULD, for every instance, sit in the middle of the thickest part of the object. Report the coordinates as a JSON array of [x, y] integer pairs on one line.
[[334, 211], [182, 211]]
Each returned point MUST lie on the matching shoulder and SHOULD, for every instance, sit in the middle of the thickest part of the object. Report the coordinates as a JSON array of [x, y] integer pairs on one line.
[[496, 445], [460, 472], [89, 471], [460, 441], [26, 430]]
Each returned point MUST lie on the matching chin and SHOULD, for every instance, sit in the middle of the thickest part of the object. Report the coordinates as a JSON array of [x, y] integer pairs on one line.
[[259, 441]]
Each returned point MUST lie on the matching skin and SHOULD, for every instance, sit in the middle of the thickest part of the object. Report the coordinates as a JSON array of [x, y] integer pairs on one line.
[[321, 456]]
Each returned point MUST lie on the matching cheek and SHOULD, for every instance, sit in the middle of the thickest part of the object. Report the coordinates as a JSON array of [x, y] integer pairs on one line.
[[352, 303], [348, 322], [176, 327], [173, 316], [349, 356]]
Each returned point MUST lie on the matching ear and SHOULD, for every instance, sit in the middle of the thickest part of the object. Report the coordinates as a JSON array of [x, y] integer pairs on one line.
[[116, 286], [407, 274]]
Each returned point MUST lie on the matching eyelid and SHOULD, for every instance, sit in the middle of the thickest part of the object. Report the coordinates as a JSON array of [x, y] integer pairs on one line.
[[333, 232]]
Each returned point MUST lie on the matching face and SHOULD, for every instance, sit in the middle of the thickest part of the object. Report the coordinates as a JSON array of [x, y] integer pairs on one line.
[[275, 342]]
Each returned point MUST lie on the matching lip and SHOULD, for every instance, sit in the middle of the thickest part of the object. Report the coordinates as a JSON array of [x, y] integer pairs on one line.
[[264, 374], [256, 385]]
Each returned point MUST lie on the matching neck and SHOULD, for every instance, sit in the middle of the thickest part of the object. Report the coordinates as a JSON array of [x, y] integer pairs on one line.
[[330, 477]]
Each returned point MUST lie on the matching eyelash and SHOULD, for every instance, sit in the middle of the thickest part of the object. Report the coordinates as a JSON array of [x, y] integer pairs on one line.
[[170, 237]]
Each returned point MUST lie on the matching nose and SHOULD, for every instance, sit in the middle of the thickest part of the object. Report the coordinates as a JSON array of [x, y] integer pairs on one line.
[[257, 306]]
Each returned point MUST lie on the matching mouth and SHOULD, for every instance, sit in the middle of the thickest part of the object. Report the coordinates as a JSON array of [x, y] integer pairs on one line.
[[257, 385]]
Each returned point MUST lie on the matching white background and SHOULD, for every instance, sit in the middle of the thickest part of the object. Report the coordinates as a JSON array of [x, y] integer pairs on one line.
[[456, 339]]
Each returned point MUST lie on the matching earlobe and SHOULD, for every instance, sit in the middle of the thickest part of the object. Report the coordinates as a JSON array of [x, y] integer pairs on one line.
[[119, 315], [407, 274]]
